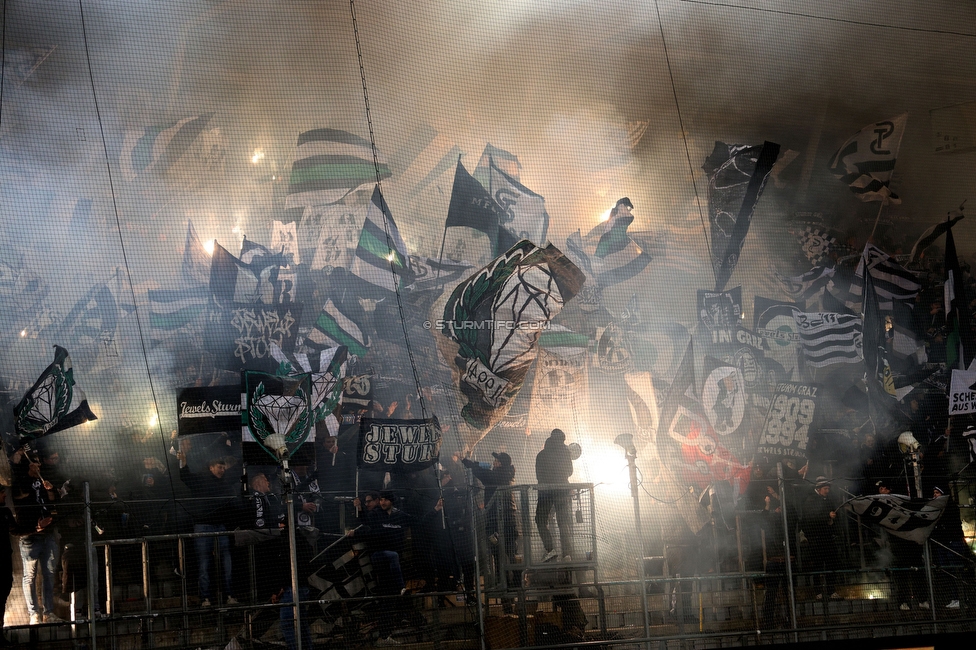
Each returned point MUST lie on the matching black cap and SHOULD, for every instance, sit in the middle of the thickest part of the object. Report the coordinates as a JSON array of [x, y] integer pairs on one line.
[[822, 482], [939, 490], [388, 495], [625, 201], [882, 484], [502, 458]]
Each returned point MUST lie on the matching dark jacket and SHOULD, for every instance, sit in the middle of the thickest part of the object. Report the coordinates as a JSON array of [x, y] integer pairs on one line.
[[387, 531], [815, 522], [214, 501], [553, 464], [492, 479]]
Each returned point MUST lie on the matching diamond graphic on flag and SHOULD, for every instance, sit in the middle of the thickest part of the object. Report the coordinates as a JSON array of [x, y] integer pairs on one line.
[[48, 399], [281, 411]]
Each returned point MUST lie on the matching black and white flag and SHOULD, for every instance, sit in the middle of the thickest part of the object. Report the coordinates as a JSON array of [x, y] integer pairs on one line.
[[911, 519], [892, 281], [829, 338], [398, 446]]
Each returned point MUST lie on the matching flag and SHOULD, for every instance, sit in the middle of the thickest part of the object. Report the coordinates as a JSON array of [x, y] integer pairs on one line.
[[829, 338], [429, 273], [90, 326], [330, 234], [472, 206], [398, 446], [817, 243], [208, 409], [642, 402], [932, 233], [909, 519], [329, 164], [240, 335], [172, 309], [381, 255], [806, 286], [524, 213], [54, 403], [607, 254], [252, 278], [865, 162], [276, 268], [736, 178], [773, 321], [793, 413], [873, 330], [960, 342], [892, 281], [326, 371], [284, 240], [962, 392], [559, 388], [505, 161], [334, 326], [154, 149], [492, 322], [687, 442], [196, 260], [277, 411]]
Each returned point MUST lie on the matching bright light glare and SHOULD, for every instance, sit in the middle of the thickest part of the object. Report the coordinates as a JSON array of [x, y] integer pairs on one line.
[[153, 420], [604, 465], [390, 257], [606, 215], [209, 246], [257, 156], [23, 333]]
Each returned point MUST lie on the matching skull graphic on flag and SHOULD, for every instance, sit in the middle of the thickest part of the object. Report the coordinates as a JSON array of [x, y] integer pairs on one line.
[[279, 411]]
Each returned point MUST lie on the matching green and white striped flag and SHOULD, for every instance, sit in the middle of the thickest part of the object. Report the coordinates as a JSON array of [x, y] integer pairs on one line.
[[382, 253], [171, 309], [328, 165], [333, 327]]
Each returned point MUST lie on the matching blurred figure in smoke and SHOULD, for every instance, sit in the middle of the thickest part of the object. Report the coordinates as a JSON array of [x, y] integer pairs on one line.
[[501, 525], [771, 519], [905, 555], [952, 555], [35, 497], [214, 508], [554, 466], [817, 523], [454, 551]]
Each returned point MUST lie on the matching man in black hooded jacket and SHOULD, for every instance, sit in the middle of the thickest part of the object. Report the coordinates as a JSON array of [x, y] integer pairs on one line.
[[554, 466]]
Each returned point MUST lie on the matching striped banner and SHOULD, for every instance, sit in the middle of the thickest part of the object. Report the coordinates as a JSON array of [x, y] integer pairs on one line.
[[171, 309], [829, 338], [329, 164], [381, 254], [892, 281], [332, 328]]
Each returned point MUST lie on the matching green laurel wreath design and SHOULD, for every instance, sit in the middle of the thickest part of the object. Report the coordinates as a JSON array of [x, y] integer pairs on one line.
[[465, 299]]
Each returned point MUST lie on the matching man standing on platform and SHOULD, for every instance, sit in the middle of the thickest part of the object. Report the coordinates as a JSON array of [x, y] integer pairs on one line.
[[553, 467], [215, 508]]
